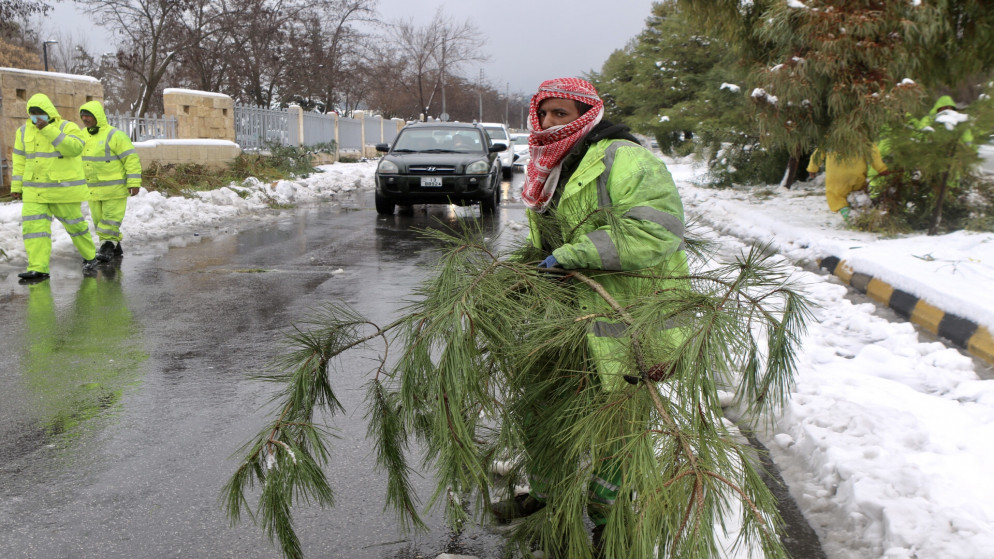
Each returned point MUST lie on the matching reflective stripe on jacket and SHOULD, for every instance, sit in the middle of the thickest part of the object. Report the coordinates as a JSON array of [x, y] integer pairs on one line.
[[647, 238], [110, 161], [46, 163]]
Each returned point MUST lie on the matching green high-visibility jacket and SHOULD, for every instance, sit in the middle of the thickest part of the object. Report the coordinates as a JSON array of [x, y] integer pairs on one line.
[[110, 161], [640, 190], [47, 167]]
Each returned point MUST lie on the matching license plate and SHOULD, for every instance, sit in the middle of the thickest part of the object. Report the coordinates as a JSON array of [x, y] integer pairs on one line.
[[431, 181]]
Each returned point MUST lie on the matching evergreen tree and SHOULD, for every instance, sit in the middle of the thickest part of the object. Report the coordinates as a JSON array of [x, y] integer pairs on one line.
[[489, 335], [687, 90], [933, 182], [835, 74], [662, 67]]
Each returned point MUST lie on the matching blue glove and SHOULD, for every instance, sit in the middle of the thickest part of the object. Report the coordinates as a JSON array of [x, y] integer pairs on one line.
[[549, 262]]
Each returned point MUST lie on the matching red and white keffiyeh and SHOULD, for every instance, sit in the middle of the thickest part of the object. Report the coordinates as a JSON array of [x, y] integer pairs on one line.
[[549, 147]]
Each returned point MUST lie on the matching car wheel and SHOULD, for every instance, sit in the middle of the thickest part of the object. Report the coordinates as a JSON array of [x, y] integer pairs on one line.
[[384, 206], [488, 206]]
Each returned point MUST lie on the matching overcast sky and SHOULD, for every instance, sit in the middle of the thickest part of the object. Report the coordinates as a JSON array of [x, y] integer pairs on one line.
[[527, 41]]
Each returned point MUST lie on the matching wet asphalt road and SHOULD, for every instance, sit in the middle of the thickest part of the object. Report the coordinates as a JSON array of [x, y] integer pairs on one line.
[[123, 397]]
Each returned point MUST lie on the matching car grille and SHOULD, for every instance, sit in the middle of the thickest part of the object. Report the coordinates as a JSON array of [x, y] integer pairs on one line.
[[431, 169]]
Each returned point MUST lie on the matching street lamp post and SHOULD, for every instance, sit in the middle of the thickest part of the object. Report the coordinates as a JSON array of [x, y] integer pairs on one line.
[[44, 48]]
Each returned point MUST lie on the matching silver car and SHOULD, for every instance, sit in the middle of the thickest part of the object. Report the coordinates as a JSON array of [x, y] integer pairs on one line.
[[500, 135]]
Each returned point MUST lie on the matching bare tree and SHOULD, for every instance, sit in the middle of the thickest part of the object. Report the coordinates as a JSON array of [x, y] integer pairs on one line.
[[20, 46], [387, 92], [70, 54], [153, 33], [433, 52], [207, 65], [15, 10], [342, 42], [261, 47]]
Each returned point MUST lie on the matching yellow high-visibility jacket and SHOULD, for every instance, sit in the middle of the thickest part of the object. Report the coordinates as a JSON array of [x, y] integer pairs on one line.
[[637, 185], [843, 176], [46, 164], [110, 161]]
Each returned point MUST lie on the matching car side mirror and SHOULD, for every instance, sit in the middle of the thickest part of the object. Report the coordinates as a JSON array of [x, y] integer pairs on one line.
[[497, 147], [383, 147]]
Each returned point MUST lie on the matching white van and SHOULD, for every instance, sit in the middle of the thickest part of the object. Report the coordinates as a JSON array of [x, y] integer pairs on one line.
[[499, 134]]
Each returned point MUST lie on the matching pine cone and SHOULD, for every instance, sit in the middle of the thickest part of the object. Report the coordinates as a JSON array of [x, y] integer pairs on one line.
[[656, 373]]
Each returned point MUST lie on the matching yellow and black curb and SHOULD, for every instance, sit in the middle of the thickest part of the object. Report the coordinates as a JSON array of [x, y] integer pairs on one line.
[[976, 339]]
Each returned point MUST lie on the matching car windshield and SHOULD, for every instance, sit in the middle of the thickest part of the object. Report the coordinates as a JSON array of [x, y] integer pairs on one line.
[[437, 140], [496, 133], [521, 141]]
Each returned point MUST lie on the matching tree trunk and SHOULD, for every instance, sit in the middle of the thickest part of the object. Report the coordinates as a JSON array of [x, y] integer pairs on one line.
[[933, 225], [790, 175]]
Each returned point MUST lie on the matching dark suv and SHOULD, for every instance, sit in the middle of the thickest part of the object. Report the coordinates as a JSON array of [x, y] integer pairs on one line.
[[439, 163]]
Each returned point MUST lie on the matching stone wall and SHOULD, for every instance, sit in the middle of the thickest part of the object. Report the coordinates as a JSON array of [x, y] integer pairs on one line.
[[214, 154], [205, 124], [67, 91], [200, 114]]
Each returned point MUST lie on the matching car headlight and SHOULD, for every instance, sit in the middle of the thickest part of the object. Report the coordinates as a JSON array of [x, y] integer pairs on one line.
[[388, 167], [478, 168]]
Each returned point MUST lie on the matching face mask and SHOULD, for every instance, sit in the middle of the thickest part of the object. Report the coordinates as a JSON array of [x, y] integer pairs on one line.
[[36, 118]]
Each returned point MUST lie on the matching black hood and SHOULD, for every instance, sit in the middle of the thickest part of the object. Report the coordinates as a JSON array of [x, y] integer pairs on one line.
[[609, 130]]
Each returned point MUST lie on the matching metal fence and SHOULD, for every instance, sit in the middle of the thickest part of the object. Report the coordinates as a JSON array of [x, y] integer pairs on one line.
[[350, 134], [140, 129], [257, 126], [318, 129], [389, 132]]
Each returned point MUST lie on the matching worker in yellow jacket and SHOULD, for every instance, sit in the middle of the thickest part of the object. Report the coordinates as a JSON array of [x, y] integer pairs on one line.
[[113, 172], [47, 175], [843, 176]]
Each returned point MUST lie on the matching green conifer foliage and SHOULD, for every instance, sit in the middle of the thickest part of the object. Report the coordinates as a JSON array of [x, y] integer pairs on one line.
[[665, 66], [492, 352], [933, 182], [687, 90], [839, 74], [835, 73]]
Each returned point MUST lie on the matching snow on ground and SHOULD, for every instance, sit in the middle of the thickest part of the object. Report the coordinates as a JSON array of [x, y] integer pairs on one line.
[[885, 443], [152, 216]]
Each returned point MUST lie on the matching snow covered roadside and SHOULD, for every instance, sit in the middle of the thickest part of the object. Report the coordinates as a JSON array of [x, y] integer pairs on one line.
[[953, 271], [152, 216], [885, 441]]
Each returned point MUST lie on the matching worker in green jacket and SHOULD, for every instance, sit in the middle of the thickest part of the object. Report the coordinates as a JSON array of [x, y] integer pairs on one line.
[[47, 175], [844, 176], [583, 168], [113, 172], [943, 103]]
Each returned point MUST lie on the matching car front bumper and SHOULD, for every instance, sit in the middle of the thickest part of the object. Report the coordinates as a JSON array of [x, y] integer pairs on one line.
[[407, 189]]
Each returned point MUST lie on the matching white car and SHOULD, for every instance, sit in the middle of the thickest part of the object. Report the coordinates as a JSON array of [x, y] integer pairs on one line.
[[519, 141], [499, 134]]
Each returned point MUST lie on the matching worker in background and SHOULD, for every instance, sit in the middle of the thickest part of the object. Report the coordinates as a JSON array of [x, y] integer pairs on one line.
[[843, 176], [47, 176], [113, 172]]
